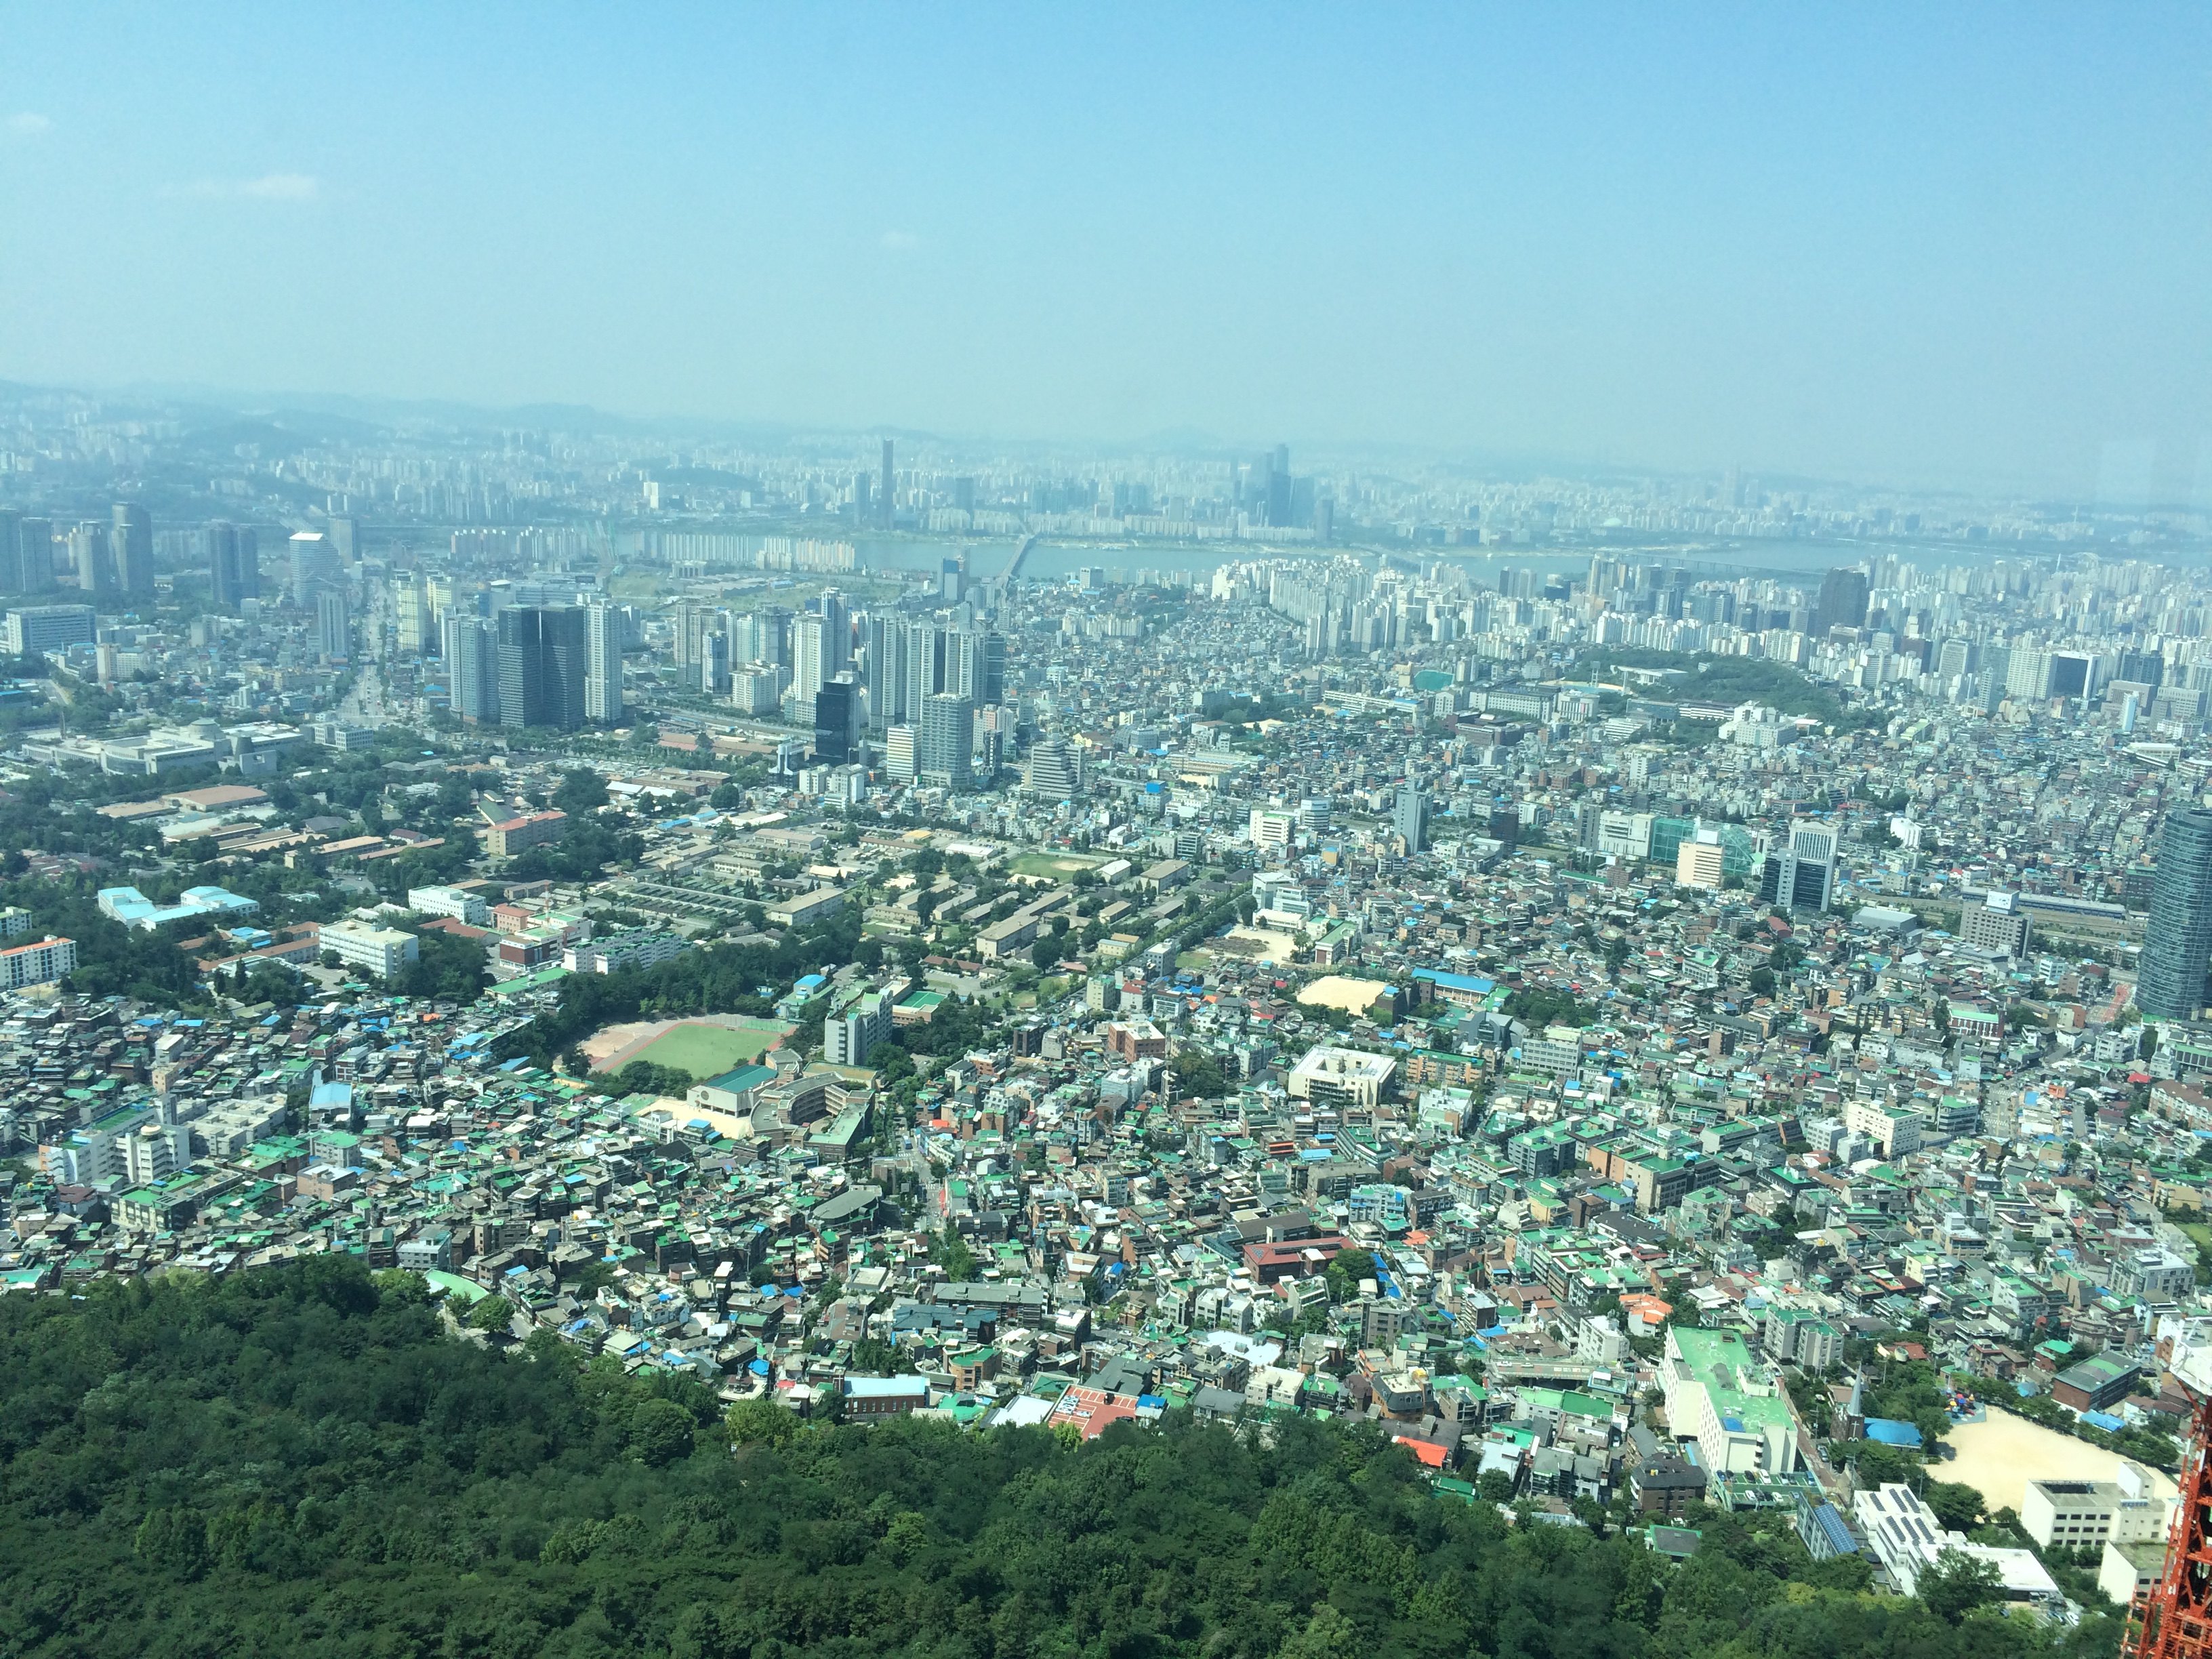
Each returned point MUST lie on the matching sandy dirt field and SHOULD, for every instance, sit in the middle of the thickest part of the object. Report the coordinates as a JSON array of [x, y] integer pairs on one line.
[[1999, 1456], [613, 1039], [1354, 996]]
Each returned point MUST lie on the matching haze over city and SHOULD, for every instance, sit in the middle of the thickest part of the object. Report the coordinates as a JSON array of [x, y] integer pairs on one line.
[[1957, 247], [1223, 833]]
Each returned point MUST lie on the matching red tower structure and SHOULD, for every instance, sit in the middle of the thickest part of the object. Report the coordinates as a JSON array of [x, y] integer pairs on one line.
[[2177, 1614]]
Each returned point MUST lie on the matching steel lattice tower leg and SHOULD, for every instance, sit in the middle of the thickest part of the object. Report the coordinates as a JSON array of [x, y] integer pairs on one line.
[[2176, 1614]]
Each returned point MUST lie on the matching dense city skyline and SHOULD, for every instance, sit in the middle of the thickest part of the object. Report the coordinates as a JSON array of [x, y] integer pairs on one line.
[[1225, 833], [1905, 248]]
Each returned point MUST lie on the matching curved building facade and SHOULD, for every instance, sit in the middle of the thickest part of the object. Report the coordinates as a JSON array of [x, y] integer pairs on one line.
[[2178, 946]]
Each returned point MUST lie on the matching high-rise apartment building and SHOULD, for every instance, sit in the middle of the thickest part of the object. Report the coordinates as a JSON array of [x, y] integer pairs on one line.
[[11, 552], [471, 647], [2177, 944], [1410, 817], [810, 656], [945, 749], [947, 655], [758, 690], [884, 494], [92, 556], [763, 636], [2142, 668], [850, 1035], [603, 664], [691, 624], [542, 661], [885, 643], [131, 539], [411, 613], [836, 633], [333, 625], [777, 643]]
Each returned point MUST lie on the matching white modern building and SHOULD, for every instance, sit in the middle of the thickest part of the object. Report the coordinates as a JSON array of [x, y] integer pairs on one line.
[[2088, 1514], [1906, 1538], [1697, 863], [379, 951], [899, 762], [34, 630], [603, 664], [1346, 1076], [153, 1152], [456, 903]]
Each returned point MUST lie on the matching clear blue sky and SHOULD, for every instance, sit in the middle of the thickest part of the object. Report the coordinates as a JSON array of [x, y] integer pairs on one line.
[[1918, 242]]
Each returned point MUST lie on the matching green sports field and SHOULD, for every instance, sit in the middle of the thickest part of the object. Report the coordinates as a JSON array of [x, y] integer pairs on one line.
[[707, 1051]]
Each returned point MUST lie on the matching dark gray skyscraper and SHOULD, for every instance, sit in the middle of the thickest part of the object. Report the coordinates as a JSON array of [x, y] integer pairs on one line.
[[11, 552], [35, 545], [1277, 502], [1842, 601], [131, 544], [234, 560], [543, 658], [837, 723], [333, 625], [2178, 946], [884, 493]]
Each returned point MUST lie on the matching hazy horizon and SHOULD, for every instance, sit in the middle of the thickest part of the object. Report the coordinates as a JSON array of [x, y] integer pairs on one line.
[[1958, 248]]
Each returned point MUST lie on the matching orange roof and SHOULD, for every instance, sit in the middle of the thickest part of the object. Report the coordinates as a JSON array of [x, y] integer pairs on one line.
[[1092, 1410], [1426, 1451]]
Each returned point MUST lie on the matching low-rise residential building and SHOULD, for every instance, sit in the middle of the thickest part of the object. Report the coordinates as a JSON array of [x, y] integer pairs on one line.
[[617, 953], [50, 959], [507, 836]]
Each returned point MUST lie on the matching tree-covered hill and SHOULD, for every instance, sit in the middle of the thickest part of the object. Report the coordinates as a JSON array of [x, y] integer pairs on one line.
[[300, 1460]]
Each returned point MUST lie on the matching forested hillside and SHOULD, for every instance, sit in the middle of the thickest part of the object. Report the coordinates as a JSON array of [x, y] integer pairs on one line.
[[301, 1461]]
